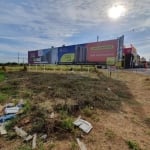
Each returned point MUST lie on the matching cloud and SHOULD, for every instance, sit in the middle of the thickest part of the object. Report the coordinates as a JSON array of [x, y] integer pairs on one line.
[[41, 24]]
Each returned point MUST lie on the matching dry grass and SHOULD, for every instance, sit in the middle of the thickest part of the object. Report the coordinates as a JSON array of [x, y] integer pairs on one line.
[[108, 104]]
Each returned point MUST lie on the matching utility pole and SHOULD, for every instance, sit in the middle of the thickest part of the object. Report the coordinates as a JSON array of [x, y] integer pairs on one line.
[[18, 58], [97, 38]]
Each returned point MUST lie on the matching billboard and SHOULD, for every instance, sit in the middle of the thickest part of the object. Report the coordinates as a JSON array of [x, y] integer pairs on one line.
[[66, 54], [43, 56], [33, 57], [100, 51], [97, 52], [54, 55], [80, 53]]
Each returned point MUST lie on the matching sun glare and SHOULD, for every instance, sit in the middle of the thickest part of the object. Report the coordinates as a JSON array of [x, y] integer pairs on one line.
[[116, 11]]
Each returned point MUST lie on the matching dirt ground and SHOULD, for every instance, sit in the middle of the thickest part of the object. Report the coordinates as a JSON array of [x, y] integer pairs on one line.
[[112, 130]]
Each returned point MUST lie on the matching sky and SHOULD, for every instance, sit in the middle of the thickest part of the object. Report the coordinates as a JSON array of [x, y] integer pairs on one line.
[[38, 24]]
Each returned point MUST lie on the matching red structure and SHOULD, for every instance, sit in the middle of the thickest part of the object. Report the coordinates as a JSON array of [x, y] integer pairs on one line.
[[100, 51], [130, 57]]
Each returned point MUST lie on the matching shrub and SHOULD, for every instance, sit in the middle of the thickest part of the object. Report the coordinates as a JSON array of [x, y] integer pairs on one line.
[[4, 68], [133, 145], [87, 112], [27, 106], [2, 76], [67, 124]]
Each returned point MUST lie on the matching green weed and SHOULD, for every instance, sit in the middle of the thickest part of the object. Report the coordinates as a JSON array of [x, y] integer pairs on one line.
[[27, 106], [87, 112], [67, 124], [133, 145], [2, 76]]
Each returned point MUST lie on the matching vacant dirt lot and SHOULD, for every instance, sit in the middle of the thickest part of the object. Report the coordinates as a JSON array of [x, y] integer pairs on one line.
[[118, 109]]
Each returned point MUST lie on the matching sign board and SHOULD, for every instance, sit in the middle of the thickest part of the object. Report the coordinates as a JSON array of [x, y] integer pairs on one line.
[[110, 61]]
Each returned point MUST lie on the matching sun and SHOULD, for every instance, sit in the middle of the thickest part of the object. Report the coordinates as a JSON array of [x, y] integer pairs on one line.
[[116, 11]]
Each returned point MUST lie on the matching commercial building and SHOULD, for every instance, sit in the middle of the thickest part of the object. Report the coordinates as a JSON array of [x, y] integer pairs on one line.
[[110, 52], [131, 59]]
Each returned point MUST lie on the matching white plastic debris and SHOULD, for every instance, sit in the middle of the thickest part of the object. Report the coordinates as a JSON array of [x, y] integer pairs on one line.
[[10, 105], [28, 138], [2, 129], [81, 144], [83, 125], [21, 103], [109, 89], [11, 110], [52, 115], [20, 132], [49, 87], [34, 141], [43, 137]]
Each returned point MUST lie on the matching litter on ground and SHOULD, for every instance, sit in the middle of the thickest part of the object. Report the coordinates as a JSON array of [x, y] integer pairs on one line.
[[4, 118], [83, 125], [34, 141], [11, 110], [20, 132], [81, 144], [2, 129]]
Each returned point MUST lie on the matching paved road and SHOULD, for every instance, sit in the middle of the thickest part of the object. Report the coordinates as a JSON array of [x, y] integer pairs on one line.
[[140, 70]]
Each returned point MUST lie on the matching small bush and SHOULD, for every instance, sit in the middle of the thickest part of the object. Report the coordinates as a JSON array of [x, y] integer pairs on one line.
[[27, 106], [4, 68], [67, 124], [2, 76], [24, 68], [87, 112], [133, 145]]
